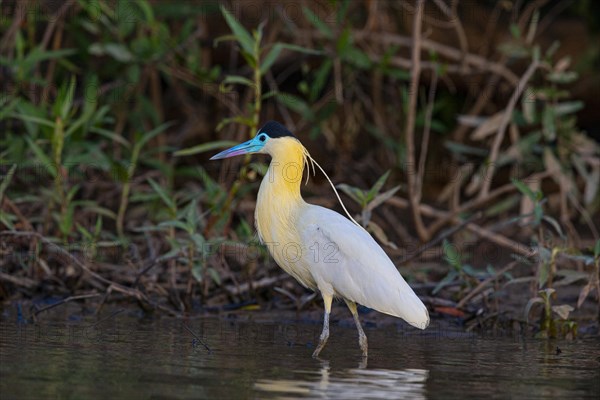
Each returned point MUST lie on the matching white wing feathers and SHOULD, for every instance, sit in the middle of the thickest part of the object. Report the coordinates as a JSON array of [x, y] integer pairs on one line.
[[346, 261]]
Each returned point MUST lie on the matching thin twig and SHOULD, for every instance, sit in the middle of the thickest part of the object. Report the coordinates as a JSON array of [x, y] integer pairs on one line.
[[64, 301], [483, 232], [119, 311], [484, 283], [132, 292], [61, 251], [450, 13], [151, 265], [508, 112], [477, 202], [502, 240], [410, 123], [13, 207], [246, 287], [473, 60], [18, 280], [20, 9], [53, 21], [440, 238]]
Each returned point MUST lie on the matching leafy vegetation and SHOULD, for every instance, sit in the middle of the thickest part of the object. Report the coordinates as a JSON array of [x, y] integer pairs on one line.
[[109, 110]]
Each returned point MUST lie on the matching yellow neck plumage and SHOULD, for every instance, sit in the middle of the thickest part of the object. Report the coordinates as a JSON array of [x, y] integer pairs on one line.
[[279, 199], [279, 196], [285, 171]]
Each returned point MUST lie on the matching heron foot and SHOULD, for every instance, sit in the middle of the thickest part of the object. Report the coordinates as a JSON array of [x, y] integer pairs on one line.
[[322, 341]]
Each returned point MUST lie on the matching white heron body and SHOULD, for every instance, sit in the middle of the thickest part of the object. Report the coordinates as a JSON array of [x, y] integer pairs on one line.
[[320, 248], [324, 250]]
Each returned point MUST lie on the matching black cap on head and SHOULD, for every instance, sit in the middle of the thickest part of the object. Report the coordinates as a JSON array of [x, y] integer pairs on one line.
[[275, 130]]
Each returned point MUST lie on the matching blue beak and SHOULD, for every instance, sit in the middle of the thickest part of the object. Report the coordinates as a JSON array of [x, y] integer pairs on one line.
[[251, 146]]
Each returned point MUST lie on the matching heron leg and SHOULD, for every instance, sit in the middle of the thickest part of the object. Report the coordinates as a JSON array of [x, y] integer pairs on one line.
[[327, 299], [362, 338]]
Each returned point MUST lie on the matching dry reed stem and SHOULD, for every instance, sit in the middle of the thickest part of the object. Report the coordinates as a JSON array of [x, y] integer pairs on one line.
[[410, 124], [508, 111]]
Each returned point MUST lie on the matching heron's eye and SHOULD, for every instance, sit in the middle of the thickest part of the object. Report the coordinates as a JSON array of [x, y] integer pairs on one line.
[[262, 138]]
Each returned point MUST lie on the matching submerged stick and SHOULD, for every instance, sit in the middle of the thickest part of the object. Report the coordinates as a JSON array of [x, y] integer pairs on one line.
[[65, 301], [197, 338]]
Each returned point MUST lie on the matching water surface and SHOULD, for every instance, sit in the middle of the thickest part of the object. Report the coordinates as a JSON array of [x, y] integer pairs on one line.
[[119, 355]]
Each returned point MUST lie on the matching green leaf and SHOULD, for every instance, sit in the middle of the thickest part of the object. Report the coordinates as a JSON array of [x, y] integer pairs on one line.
[[342, 11], [163, 195], [382, 198], [317, 23], [378, 185], [146, 137], [237, 80], [469, 270], [197, 270], [562, 77], [5, 110], [523, 188], [241, 34], [214, 275], [459, 148], [35, 120], [344, 42], [270, 59], [99, 210], [528, 107], [554, 224], [275, 51], [146, 9], [111, 135], [6, 180], [320, 79], [355, 194], [39, 153], [535, 53], [65, 100], [119, 52], [36, 56], [530, 303], [515, 31], [451, 255], [502, 205], [568, 107], [98, 226], [4, 219], [198, 240], [548, 124], [72, 193], [296, 104], [240, 119], [448, 279], [191, 216], [570, 276], [175, 224], [115, 50], [201, 148], [358, 58]]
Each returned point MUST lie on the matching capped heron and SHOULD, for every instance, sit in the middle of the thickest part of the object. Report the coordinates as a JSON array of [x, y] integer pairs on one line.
[[323, 250]]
